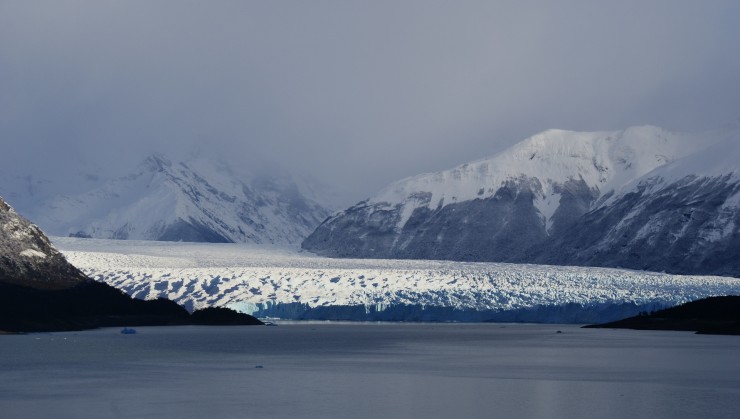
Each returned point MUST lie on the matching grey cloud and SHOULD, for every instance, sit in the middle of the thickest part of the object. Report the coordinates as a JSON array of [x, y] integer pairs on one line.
[[357, 92]]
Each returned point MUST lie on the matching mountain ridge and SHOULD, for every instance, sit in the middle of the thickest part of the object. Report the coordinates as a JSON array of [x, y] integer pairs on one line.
[[688, 210], [522, 204], [199, 199]]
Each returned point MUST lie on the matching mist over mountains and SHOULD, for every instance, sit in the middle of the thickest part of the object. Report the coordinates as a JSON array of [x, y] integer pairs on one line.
[[197, 200], [641, 198]]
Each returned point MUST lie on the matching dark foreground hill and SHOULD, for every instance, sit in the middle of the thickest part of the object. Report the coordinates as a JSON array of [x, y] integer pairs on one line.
[[40, 291], [92, 304], [713, 315]]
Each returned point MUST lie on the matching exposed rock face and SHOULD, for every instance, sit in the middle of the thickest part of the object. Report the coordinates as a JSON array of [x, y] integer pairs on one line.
[[41, 291], [28, 258], [689, 226], [641, 198], [496, 228]]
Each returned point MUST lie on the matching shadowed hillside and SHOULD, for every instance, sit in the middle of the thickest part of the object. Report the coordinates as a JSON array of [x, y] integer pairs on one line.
[[41, 291], [714, 315]]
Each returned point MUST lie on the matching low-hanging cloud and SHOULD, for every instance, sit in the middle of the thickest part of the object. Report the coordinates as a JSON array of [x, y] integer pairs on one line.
[[359, 93]]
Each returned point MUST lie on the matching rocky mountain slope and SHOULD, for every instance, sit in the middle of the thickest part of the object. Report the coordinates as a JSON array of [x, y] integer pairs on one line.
[[682, 217], [561, 197], [199, 200], [27, 256], [41, 291]]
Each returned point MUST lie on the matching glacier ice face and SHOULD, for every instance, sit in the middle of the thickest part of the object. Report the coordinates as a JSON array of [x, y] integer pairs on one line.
[[283, 282]]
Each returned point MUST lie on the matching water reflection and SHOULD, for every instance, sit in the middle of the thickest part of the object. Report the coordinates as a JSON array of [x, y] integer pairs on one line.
[[370, 370]]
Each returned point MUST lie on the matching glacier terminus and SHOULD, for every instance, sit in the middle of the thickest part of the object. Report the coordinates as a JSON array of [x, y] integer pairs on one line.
[[283, 282]]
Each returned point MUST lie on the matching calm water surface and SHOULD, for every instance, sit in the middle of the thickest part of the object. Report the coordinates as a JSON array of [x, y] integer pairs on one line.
[[319, 370]]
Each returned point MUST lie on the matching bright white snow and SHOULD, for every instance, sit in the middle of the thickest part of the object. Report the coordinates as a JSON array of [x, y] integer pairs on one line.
[[31, 253], [605, 161], [158, 194], [255, 277]]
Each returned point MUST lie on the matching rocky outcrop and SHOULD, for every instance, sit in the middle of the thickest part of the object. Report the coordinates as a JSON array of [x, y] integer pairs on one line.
[[28, 258], [41, 291]]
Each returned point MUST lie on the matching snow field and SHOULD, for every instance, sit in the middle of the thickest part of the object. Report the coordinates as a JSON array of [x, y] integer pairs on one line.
[[605, 160], [251, 278]]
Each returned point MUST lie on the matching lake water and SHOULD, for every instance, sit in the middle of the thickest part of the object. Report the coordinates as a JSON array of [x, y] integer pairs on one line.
[[351, 370]]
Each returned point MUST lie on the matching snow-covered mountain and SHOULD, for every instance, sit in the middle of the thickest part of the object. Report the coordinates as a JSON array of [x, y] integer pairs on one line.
[[681, 217], [538, 202], [195, 200]]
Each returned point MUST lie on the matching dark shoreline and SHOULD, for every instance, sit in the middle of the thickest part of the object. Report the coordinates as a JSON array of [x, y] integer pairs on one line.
[[713, 315], [93, 305]]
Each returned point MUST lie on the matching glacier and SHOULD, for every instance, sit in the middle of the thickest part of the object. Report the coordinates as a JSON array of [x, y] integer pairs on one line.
[[287, 283]]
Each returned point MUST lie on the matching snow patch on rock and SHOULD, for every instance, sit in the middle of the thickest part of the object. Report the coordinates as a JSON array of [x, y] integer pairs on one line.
[[31, 253]]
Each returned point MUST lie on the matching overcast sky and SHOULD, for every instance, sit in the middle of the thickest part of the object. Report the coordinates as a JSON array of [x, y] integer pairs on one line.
[[356, 92]]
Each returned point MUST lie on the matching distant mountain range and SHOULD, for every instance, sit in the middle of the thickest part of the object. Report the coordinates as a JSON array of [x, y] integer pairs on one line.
[[198, 200], [641, 198]]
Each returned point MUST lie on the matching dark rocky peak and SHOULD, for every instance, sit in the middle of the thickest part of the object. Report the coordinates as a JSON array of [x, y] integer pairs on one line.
[[157, 162], [28, 258]]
